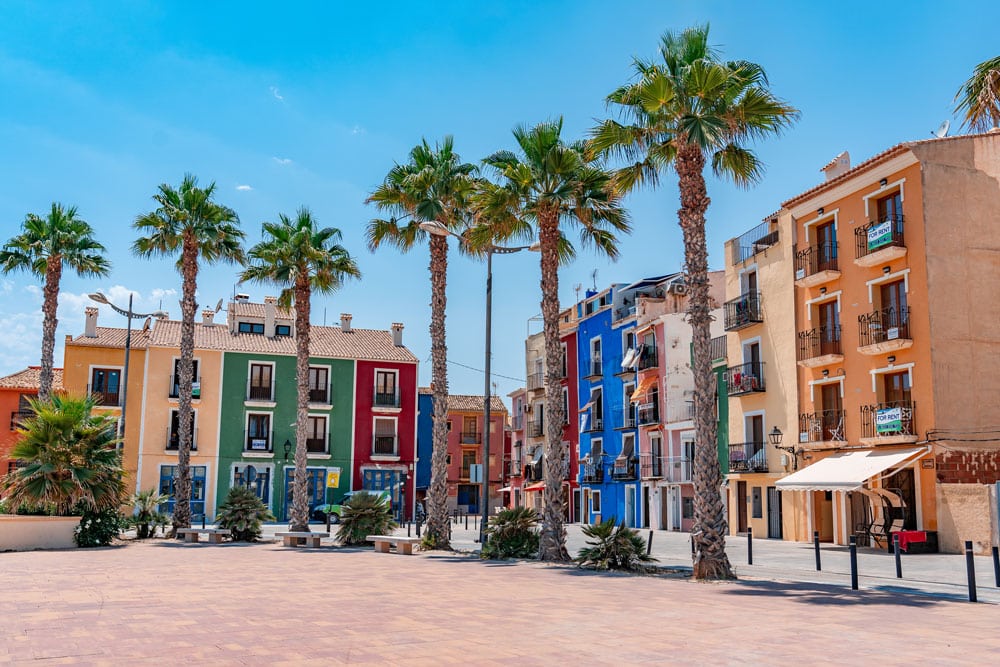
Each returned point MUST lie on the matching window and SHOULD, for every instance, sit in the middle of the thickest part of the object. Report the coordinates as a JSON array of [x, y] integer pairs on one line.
[[258, 433], [386, 390], [757, 503], [198, 475], [597, 409], [687, 508], [595, 501], [896, 388], [105, 385], [259, 387], [565, 405], [628, 446], [596, 450], [384, 443], [628, 340], [250, 327], [447, 459], [283, 330], [562, 361], [319, 384], [15, 465], [890, 208], [470, 430], [449, 426], [468, 460], [175, 380], [174, 431], [595, 351], [316, 435]]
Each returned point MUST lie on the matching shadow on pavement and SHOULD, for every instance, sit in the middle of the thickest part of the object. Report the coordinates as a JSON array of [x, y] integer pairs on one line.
[[821, 594]]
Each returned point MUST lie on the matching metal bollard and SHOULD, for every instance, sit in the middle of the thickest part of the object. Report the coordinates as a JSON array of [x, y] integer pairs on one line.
[[466, 520], [692, 545], [409, 526], [970, 569], [819, 566], [203, 521], [996, 565], [895, 551], [649, 543], [328, 522], [854, 562], [749, 545], [418, 527]]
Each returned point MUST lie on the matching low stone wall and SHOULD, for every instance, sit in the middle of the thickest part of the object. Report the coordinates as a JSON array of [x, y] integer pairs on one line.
[[24, 533], [966, 512]]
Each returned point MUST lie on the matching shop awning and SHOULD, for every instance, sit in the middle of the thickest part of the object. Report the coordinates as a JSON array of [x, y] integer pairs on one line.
[[644, 386], [846, 471], [535, 487]]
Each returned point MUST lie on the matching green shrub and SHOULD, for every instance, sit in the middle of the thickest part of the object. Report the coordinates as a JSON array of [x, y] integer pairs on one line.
[[242, 514], [363, 515], [148, 516], [613, 547], [98, 527], [512, 533]]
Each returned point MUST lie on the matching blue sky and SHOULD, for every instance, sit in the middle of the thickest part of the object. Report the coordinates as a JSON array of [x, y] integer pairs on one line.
[[312, 103]]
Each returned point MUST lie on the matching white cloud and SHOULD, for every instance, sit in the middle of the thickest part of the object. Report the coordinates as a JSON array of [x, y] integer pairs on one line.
[[276, 94], [282, 160], [244, 188]]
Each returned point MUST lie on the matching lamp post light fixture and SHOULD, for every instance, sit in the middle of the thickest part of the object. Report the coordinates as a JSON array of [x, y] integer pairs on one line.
[[438, 229], [130, 315], [775, 436]]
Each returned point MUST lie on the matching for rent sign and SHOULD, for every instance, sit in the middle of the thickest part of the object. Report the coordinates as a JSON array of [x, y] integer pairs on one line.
[[889, 420], [879, 235]]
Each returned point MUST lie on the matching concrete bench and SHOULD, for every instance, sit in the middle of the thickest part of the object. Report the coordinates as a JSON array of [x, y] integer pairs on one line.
[[294, 539], [215, 535], [404, 545]]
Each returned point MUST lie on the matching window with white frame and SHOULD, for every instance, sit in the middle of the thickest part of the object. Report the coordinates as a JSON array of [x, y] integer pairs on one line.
[[316, 434], [174, 430], [319, 384], [385, 440], [258, 434], [386, 389], [595, 501]]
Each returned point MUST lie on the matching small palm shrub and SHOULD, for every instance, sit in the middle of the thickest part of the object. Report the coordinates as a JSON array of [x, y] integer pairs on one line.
[[512, 533], [148, 516], [242, 514], [364, 514], [613, 547], [99, 527]]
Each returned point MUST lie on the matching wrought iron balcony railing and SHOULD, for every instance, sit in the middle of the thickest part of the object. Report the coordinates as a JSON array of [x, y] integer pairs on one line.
[[747, 457], [649, 413], [883, 420], [386, 399], [881, 326], [822, 426], [593, 472], [255, 441], [175, 386], [876, 236], [819, 342], [384, 445], [472, 437], [743, 311], [625, 468], [816, 258], [746, 378]]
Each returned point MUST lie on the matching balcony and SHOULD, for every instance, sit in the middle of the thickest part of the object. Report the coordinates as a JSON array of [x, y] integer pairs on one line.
[[593, 473], [650, 467], [535, 472], [825, 426], [621, 370], [263, 393], [517, 423], [389, 399], [536, 429], [594, 422], [748, 244], [816, 264], [717, 348], [743, 311], [879, 242], [103, 397], [819, 347], [647, 357], [175, 387], [384, 445], [679, 411], [17, 418], [747, 457], [514, 468], [536, 381], [648, 413], [678, 469], [316, 446], [174, 440], [320, 396], [624, 416], [888, 423], [746, 378], [594, 368], [255, 441], [625, 469], [884, 330], [473, 437]]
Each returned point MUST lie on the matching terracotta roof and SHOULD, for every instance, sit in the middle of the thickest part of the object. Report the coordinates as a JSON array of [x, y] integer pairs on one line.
[[467, 403], [868, 164], [247, 309], [29, 379], [112, 337]]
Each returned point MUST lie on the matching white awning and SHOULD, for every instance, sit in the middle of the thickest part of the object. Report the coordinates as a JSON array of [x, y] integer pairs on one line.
[[846, 471]]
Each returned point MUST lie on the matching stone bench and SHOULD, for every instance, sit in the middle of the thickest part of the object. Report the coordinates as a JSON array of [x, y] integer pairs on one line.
[[215, 535], [404, 545], [294, 539]]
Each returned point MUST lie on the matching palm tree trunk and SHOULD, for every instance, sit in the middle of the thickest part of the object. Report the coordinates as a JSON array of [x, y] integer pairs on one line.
[[709, 531], [299, 520], [552, 545], [185, 370], [438, 529], [53, 274]]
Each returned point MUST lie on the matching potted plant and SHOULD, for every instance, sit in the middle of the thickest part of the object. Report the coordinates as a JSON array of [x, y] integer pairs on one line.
[[148, 517]]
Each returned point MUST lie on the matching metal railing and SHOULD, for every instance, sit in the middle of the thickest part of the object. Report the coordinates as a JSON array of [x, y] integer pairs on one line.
[[650, 467], [819, 342], [472, 437], [678, 469], [648, 413], [822, 426], [515, 468], [387, 399], [747, 457], [717, 347], [595, 422], [593, 472], [517, 423], [536, 381], [624, 416], [647, 357], [883, 325], [743, 311], [537, 428], [746, 378], [384, 445], [535, 472], [102, 397], [889, 419], [751, 242], [319, 396], [256, 392], [257, 442], [175, 386], [316, 445], [815, 258], [625, 468], [595, 367], [879, 235], [17, 418], [174, 439]]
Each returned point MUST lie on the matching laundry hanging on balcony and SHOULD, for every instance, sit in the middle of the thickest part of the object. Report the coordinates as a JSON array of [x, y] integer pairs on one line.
[[630, 359]]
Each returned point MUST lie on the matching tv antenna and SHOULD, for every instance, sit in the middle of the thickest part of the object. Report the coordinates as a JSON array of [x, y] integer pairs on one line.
[[942, 131], [593, 276], [576, 288]]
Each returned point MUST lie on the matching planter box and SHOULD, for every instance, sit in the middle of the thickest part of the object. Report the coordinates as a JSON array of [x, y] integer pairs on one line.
[[24, 533]]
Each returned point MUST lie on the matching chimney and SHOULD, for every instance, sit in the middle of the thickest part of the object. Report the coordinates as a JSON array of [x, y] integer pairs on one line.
[[345, 322], [397, 334], [837, 166], [90, 328], [207, 316], [270, 309]]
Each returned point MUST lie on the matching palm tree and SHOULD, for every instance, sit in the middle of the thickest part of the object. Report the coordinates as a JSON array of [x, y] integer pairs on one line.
[[300, 258], [70, 458], [189, 223], [548, 185], [433, 186], [44, 247], [679, 113], [979, 97]]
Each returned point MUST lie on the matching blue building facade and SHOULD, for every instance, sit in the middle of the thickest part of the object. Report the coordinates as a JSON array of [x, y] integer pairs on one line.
[[608, 436], [425, 440]]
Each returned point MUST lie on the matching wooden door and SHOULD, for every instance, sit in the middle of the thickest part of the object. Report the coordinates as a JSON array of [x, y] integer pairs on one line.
[[741, 507]]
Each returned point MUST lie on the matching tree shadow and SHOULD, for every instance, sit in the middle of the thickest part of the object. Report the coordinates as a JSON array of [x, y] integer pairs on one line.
[[830, 595]]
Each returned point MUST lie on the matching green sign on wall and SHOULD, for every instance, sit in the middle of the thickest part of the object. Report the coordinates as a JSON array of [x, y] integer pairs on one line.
[[880, 235]]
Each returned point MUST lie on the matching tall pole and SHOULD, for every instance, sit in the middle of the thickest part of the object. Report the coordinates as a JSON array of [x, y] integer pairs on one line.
[[128, 349], [486, 399]]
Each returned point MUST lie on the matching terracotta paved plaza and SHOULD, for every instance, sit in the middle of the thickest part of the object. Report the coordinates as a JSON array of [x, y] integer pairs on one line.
[[163, 602]]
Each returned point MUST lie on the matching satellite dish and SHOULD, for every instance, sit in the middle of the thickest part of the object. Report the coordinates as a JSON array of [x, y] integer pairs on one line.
[[145, 325], [942, 130], [218, 306]]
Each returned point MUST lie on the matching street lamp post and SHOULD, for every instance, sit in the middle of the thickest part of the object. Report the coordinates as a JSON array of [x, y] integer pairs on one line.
[[129, 315], [438, 229]]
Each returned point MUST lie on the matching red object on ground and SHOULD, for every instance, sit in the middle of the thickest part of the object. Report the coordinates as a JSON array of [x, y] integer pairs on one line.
[[908, 537]]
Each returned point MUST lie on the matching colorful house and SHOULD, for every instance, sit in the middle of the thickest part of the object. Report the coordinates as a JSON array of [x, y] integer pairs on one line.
[[515, 456], [425, 440], [16, 390], [466, 433]]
